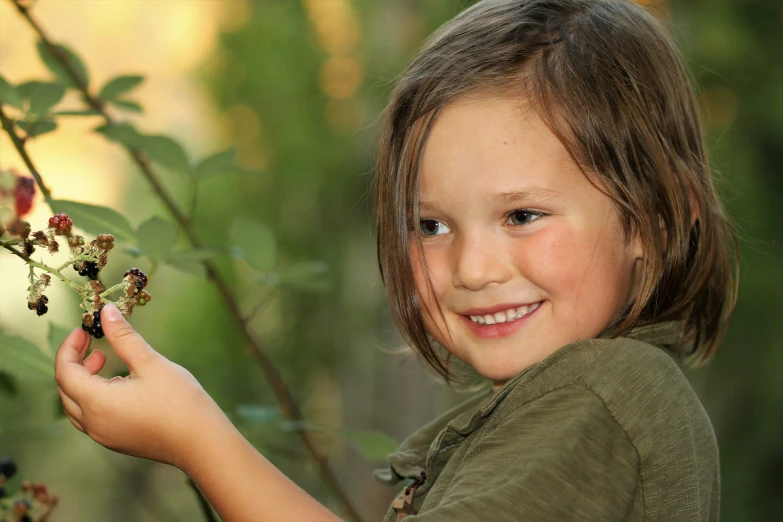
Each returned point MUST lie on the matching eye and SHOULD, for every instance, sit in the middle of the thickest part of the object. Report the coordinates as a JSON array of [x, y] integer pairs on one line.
[[432, 227], [524, 216]]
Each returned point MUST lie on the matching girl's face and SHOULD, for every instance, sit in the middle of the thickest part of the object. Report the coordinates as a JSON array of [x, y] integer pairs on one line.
[[525, 255]]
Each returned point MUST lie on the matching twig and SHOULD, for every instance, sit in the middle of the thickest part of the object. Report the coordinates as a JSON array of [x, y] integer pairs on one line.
[[18, 142], [280, 388]]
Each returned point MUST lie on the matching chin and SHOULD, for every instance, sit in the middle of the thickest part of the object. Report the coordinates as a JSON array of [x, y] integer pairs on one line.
[[500, 372]]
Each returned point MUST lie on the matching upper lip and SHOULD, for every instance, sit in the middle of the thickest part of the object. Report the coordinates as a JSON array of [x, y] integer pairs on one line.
[[494, 309]]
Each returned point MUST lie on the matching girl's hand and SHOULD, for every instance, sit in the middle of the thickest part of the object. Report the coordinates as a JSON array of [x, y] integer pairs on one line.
[[157, 412]]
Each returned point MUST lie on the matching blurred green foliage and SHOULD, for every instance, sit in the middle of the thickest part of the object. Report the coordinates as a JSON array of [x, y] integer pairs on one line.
[[287, 217]]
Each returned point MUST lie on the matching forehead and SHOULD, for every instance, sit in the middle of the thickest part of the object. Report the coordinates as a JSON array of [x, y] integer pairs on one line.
[[493, 145]]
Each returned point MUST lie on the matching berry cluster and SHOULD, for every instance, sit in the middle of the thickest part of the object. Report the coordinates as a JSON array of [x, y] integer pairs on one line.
[[20, 189], [61, 223], [105, 241], [91, 323], [87, 268], [141, 277], [33, 502], [39, 307]]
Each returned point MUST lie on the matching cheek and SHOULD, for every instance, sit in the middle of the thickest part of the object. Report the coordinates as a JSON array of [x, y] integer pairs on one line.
[[578, 269]]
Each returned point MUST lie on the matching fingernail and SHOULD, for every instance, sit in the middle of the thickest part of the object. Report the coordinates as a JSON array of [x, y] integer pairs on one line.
[[111, 313]]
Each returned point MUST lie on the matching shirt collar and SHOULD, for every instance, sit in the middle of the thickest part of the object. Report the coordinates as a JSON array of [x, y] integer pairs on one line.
[[409, 459]]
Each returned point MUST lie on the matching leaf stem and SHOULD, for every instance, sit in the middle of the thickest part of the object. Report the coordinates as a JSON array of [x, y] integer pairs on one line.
[[19, 142]]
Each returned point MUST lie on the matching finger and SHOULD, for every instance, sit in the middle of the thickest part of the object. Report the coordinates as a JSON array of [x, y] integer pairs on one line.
[[126, 342], [76, 424], [95, 361], [69, 370], [70, 407]]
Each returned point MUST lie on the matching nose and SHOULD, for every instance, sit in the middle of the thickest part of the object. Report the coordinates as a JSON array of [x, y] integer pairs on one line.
[[479, 260]]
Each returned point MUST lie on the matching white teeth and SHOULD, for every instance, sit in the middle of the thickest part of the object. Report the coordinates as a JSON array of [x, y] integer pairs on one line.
[[511, 314]]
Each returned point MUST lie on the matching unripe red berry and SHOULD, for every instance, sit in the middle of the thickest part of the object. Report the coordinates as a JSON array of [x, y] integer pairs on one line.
[[23, 195], [61, 223]]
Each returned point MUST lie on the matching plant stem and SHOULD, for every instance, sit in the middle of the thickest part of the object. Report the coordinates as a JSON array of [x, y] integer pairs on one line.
[[18, 142], [282, 392], [43, 267]]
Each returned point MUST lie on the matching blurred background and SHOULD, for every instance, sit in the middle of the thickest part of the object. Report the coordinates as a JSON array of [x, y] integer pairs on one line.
[[298, 88]]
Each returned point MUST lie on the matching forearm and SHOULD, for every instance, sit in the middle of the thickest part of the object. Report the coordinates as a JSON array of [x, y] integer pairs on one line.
[[242, 485]]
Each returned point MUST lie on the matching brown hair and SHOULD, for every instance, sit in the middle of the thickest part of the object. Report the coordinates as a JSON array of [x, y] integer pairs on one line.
[[612, 87]]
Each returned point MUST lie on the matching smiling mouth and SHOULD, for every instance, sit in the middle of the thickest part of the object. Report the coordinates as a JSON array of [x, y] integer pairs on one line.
[[505, 316]]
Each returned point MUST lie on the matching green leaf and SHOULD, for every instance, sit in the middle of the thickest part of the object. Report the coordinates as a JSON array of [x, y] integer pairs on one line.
[[36, 128], [257, 242], [55, 65], [8, 384], [57, 335], [166, 151], [42, 95], [308, 276], [85, 112], [258, 414], [22, 358], [130, 106], [156, 237], [95, 219], [9, 94], [192, 261], [217, 165], [119, 85], [122, 133], [189, 266], [373, 445]]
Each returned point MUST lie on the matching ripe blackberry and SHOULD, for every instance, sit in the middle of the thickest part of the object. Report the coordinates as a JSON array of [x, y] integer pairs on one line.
[[23, 195], [140, 276], [61, 223], [90, 269], [7, 467], [95, 328]]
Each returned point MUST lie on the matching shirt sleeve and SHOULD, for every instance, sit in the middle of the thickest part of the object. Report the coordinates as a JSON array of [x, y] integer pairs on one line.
[[561, 457]]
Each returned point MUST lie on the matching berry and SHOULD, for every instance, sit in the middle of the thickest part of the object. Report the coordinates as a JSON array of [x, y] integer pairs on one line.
[[20, 228], [90, 269], [75, 241], [144, 298], [21, 506], [105, 241], [23, 195], [41, 309], [61, 223], [25, 518], [7, 467], [140, 276], [95, 328]]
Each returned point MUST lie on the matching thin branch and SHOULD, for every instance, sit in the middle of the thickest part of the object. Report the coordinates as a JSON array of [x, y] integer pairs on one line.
[[280, 388], [19, 142]]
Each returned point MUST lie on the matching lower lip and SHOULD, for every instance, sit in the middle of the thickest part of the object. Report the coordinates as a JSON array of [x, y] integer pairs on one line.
[[493, 331]]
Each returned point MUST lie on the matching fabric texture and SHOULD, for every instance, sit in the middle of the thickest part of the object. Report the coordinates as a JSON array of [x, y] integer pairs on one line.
[[602, 430]]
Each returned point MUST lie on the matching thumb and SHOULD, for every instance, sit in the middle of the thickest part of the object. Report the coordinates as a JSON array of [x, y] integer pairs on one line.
[[125, 341]]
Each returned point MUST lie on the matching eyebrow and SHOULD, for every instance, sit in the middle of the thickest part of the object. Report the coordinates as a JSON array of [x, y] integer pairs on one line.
[[537, 194]]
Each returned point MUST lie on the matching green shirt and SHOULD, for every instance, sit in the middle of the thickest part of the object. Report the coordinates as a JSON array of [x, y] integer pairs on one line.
[[601, 430]]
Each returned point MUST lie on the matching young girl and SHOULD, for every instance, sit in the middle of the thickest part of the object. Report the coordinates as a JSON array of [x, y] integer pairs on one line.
[[546, 215]]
